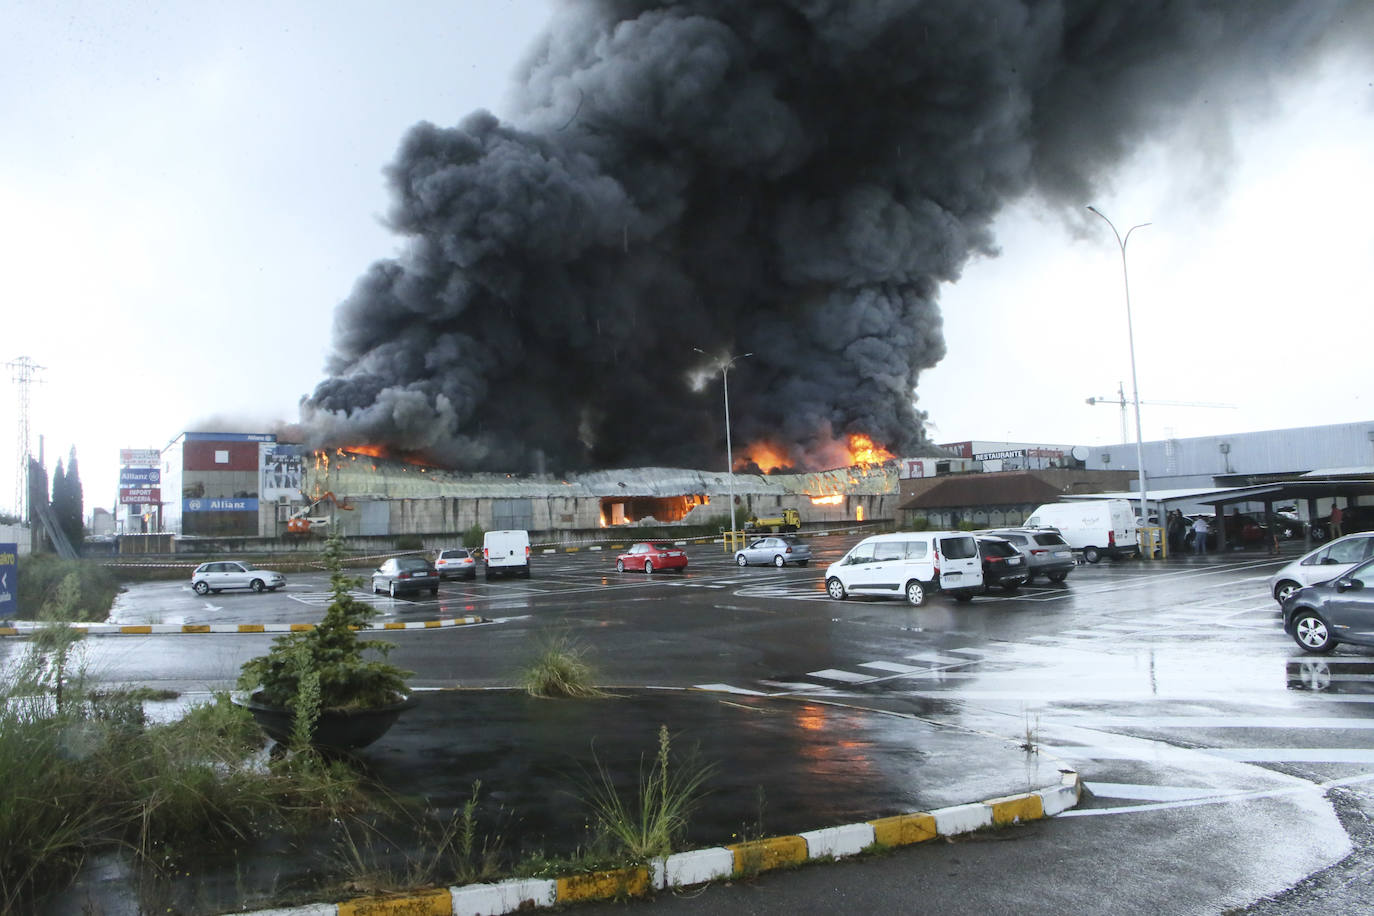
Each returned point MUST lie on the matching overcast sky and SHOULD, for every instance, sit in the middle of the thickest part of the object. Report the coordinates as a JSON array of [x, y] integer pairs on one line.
[[188, 190]]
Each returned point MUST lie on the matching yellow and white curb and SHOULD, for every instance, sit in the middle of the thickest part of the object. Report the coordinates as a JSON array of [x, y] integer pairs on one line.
[[713, 864], [158, 629]]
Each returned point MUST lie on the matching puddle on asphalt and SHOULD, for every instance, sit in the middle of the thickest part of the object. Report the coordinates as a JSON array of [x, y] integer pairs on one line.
[[778, 767]]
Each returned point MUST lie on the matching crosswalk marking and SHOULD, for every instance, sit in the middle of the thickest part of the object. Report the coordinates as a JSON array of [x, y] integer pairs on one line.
[[834, 674]]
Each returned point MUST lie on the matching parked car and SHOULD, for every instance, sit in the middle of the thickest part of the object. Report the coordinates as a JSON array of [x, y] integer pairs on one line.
[[405, 574], [216, 577], [1241, 528], [1322, 616], [780, 550], [1047, 553], [913, 564], [647, 557], [1003, 565], [1353, 519], [1326, 562], [457, 562], [506, 552]]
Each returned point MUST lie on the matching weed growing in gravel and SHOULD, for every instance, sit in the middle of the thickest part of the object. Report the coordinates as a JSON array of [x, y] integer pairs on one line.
[[560, 669]]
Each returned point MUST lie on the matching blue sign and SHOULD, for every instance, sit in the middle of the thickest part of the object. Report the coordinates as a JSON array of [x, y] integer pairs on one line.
[[139, 477], [220, 504], [9, 579], [231, 437]]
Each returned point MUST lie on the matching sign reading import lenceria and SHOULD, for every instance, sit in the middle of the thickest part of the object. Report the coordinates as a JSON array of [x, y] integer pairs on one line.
[[9, 579]]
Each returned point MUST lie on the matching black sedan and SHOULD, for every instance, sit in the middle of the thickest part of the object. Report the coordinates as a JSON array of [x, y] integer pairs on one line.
[[1322, 616], [1003, 564], [405, 574]]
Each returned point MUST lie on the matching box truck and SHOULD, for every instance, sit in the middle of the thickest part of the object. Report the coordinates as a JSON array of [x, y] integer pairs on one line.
[[1093, 526]]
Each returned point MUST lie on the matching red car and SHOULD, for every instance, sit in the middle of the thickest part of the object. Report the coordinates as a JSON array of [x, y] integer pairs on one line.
[[650, 557]]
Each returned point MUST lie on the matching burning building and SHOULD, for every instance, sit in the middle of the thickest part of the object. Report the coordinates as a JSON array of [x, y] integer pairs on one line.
[[381, 497]]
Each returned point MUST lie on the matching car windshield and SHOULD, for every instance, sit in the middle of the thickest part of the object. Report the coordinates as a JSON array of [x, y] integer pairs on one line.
[[453, 554], [1050, 540], [412, 563]]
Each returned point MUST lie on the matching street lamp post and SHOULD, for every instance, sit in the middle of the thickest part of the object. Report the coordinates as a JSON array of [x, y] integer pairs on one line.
[[724, 365], [1130, 336]]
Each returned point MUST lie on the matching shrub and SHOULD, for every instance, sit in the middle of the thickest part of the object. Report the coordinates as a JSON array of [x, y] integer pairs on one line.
[[559, 670], [474, 536], [40, 576], [331, 652], [410, 542]]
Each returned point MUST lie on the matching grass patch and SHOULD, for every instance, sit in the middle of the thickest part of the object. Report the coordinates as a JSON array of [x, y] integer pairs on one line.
[[655, 819], [560, 669], [42, 575]]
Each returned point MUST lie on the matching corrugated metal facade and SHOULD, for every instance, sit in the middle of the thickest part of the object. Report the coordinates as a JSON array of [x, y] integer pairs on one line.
[[1201, 462]]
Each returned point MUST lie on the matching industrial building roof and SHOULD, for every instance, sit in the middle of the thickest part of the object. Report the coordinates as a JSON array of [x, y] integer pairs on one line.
[[357, 476]]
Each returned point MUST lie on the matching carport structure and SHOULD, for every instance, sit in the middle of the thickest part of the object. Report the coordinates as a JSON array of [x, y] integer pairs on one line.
[[1346, 483]]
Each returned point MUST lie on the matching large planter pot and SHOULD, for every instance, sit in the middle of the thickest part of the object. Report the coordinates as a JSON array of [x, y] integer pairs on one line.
[[336, 729]]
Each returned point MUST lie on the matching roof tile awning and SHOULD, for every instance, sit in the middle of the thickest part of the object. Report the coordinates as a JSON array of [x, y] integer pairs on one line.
[[1010, 489]]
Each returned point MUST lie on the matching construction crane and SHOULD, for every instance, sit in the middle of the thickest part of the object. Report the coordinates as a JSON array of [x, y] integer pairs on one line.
[[1120, 399]]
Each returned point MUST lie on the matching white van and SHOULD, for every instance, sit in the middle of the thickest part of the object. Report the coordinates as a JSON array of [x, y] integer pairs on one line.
[[506, 552], [909, 563], [1094, 526]]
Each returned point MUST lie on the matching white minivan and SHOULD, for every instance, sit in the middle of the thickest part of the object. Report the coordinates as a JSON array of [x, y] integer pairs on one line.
[[1094, 526], [910, 564], [506, 552]]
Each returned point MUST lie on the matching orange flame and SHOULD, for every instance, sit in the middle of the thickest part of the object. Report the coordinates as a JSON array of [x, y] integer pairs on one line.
[[834, 500], [865, 453], [768, 456]]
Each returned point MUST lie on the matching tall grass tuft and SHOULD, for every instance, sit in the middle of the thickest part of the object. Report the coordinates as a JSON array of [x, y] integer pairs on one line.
[[560, 669], [649, 824]]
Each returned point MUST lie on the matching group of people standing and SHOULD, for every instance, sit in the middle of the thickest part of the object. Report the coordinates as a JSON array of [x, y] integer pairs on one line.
[[1176, 529]]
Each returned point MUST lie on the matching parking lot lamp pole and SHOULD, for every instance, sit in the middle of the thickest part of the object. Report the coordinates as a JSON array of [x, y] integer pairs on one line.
[[724, 366], [1130, 336]]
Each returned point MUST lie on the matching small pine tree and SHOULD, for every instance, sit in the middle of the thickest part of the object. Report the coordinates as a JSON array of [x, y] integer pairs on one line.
[[331, 652]]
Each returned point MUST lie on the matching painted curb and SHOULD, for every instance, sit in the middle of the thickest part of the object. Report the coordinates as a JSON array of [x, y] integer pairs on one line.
[[162, 629], [717, 863]]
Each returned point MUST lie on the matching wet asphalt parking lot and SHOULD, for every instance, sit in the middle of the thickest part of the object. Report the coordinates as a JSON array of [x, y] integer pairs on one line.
[[1224, 765]]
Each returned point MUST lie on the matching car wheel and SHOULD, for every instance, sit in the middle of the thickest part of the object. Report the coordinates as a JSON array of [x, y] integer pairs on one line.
[[1091, 554], [915, 593], [1010, 586], [391, 589], [964, 596], [779, 562], [1056, 576], [803, 562], [256, 585], [525, 571], [1318, 534], [648, 567], [740, 560], [1030, 577], [1311, 633], [375, 589], [835, 589], [434, 592], [201, 588], [619, 565], [1284, 590]]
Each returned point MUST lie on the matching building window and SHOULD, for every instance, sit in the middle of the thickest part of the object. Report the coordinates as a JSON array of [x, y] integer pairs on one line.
[[221, 456]]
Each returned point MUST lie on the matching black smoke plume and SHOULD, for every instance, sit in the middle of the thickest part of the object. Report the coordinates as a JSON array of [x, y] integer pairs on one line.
[[788, 178]]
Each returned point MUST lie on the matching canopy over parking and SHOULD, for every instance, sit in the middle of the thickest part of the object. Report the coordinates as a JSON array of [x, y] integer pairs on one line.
[[1331, 483]]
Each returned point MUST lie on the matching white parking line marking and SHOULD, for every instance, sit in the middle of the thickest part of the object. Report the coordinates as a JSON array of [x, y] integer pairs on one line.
[[834, 674], [726, 688], [892, 666], [1139, 792]]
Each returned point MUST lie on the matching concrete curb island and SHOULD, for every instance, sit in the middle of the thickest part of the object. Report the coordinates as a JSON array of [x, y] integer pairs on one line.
[[711, 864]]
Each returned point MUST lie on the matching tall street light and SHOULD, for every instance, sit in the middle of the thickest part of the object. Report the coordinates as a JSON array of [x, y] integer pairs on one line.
[[724, 364], [1130, 336]]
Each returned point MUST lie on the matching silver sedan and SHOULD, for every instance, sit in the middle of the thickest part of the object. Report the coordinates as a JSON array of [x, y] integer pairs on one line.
[[779, 551]]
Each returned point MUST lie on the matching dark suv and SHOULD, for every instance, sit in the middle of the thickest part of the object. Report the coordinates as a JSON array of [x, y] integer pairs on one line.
[[1047, 553]]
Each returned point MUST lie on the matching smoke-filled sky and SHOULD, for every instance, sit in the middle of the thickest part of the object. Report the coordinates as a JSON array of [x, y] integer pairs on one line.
[[211, 212]]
